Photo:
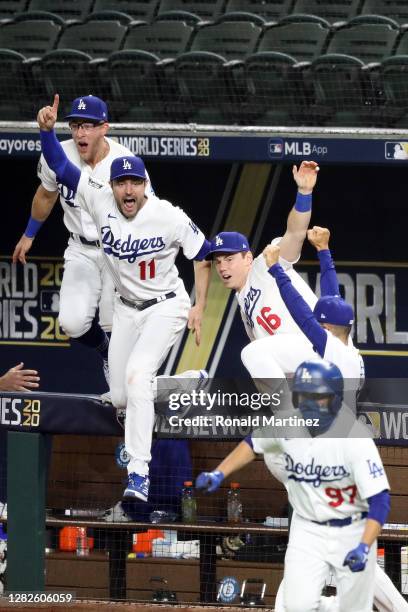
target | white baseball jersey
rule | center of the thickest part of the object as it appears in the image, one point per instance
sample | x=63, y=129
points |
x=140, y=252
x=263, y=311
x=76, y=219
x=327, y=477
x=347, y=358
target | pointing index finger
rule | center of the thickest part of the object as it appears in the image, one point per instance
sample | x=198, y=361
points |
x=55, y=103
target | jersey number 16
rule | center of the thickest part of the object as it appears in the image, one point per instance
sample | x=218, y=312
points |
x=269, y=321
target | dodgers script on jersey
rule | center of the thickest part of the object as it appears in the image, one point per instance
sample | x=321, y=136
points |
x=327, y=477
x=140, y=252
x=77, y=220
x=263, y=311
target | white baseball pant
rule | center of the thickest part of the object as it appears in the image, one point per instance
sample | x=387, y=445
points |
x=386, y=596
x=139, y=344
x=312, y=550
x=86, y=285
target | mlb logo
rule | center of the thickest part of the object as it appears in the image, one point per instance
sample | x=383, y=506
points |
x=396, y=150
x=81, y=105
x=275, y=147
x=218, y=241
x=127, y=165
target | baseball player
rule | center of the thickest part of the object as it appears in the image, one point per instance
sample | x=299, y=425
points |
x=269, y=325
x=86, y=284
x=338, y=490
x=328, y=325
x=140, y=237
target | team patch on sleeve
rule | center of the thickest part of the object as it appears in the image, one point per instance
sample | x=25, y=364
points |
x=194, y=227
x=374, y=469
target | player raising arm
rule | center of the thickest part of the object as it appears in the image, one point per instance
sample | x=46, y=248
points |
x=337, y=488
x=276, y=342
x=140, y=236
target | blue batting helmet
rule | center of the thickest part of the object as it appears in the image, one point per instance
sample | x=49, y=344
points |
x=313, y=378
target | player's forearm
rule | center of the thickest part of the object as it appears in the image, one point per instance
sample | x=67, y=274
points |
x=296, y=228
x=202, y=275
x=57, y=160
x=43, y=203
x=371, y=531
x=329, y=284
x=237, y=459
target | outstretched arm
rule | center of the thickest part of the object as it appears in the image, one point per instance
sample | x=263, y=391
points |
x=319, y=238
x=54, y=154
x=298, y=308
x=299, y=217
x=237, y=459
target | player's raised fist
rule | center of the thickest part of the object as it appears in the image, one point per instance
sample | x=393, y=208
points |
x=305, y=176
x=319, y=237
x=271, y=254
x=47, y=115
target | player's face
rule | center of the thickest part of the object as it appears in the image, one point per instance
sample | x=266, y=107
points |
x=89, y=139
x=233, y=268
x=129, y=192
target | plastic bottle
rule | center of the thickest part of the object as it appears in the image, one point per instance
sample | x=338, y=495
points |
x=234, y=504
x=188, y=503
x=82, y=547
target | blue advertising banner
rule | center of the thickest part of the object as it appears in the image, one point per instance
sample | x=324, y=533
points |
x=235, y=148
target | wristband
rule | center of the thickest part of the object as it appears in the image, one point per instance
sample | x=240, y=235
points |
x=32, y=227
x=303, y=202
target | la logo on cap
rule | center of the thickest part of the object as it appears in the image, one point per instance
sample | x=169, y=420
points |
x=306, y=376
x=127, y=165
x=218, y=241
x=81, y=105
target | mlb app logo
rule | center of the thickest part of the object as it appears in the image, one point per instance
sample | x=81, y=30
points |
x=275, y=146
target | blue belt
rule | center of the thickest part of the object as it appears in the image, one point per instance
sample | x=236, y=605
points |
x=343, y=522
x=148, y=303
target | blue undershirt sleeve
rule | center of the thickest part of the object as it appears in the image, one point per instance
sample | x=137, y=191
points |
x=379, y=506
x=67, y=173
x=299, y=309
x=203, y=252
x=329, y=285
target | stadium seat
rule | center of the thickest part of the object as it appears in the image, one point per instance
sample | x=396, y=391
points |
x=163, y=38
x=271, y=89
x=211, y=85
x=207, y=10
x=393, y=75
x=186, y=16
x=69, y=10
x=136, y=89
x=39, y=15
x=232, y=40
x=272, y=10
x=395, y=9
x=13, y=93
x=303, y=40
x=332, y=10
x=65, y=71
x=369, y=38
x=96, y=38
x=32, y=38
x=242, y=16
x=341, y=97
x=122, y=18
x=144, y=10
x=8, y=8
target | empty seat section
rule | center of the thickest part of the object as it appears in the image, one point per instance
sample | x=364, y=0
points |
x=144, y=10
x=97, y=38
x=332, y=10
x=67, y=9
x=208, y=10
x=31, y=38
x=272, y=10
x=395, y=9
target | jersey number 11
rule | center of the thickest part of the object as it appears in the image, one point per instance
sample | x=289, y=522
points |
x=150, y=268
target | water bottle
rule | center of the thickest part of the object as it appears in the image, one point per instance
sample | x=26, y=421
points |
x=82, y=546
x=188, y=503
x=234, y=504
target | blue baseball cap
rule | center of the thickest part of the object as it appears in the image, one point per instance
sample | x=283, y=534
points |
x=229, y=242
x=333, y=309
x=89, y=107
x=127, y=166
